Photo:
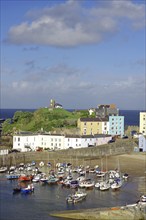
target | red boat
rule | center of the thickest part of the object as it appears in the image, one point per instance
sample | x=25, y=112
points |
x=25, y=178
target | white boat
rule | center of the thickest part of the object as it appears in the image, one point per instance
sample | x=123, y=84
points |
x=100, y=174
x=117, y=184
x=3, y=169
x=36, y=178
x=76, y=197
x=142, y=201
x=41, y=164
x=125, y=176
x=87, y=183
x=104, y=186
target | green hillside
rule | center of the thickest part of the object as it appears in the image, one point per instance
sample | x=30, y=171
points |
x=43, y=118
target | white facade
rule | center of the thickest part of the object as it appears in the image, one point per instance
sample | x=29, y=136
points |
x=142, y=123
x=142, y=142
x=72, y=142
x=100, y=139
x=4, y=152
x=57, y=142
x=105, y=127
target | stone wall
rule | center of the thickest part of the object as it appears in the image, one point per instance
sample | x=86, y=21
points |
x=70, y=155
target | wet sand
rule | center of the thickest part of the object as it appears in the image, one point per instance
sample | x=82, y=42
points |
x=134, y=164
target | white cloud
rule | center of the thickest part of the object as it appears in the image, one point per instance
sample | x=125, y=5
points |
x=71, y=24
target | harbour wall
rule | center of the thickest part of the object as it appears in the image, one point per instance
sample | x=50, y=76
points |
x=73, y=156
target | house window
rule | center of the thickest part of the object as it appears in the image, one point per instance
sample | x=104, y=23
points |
x=91, y=123
x=51, y=144
x=18, y=139
x=51, y=139
x=84, y=123
x=59, y=139
x=76, y=140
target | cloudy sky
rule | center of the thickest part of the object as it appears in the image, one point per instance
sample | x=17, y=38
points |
x=81, y=53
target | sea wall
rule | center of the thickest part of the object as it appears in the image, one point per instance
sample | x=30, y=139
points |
x=73, y=156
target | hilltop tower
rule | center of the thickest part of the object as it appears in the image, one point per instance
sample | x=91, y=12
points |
x=52, y=104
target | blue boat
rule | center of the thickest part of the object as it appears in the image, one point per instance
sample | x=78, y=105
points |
x=28, y=189
x=12, y=176
x=74, y=184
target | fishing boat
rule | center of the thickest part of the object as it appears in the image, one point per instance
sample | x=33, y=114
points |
x=76, y=197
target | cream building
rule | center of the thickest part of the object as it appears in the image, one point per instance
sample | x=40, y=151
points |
x=142, y=123
x=92, y=126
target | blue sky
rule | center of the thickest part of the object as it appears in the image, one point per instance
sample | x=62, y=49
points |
x=80, y=53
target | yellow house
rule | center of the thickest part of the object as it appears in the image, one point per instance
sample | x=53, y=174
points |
x=142, y=123
x=91, y=126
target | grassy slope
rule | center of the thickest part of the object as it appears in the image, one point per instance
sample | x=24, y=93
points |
x=42, y=118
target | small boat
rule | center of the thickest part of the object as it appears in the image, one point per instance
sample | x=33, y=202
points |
x=104, y=186
x=87, y=183
x=125, y=176
x=41, y=164
x=24, y=177
x=52, y=180
x=76, y=197
x=3, y=169
x=36, y=178
x=12, y=176
x=28, y=189
x=74, y=184
x=16, y=190
x=100, y=174
x=142, y=200
x=117, y=184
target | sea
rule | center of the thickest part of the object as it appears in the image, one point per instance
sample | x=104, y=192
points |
x=48, y=199
x=131, y=117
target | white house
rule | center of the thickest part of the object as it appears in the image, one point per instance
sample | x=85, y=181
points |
x=91, y=111
x=142, y=143
x=27, y=142
x=105, y=127
x=102, y=139
x=72, y=141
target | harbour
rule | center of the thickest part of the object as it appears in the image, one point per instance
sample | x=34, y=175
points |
x=50, y=199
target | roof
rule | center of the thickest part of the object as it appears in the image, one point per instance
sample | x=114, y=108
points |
x=93, y=119
x=57, y=104
x=102, y=135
